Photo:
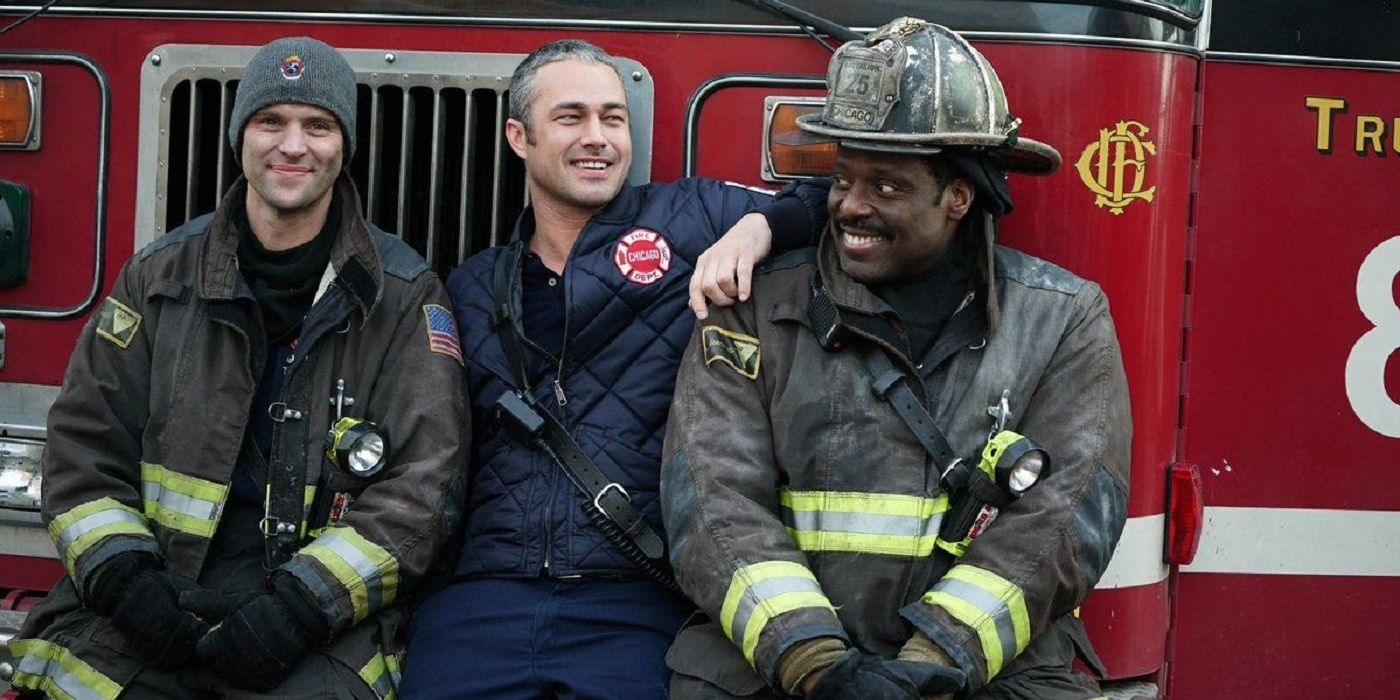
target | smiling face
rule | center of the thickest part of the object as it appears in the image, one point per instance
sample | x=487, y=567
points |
x=292, y=154
x=890, y=217
x=577, y=147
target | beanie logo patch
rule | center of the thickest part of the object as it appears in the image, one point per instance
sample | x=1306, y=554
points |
x=292, y=67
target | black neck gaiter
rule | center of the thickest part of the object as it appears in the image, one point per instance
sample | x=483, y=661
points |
x=285, y=281
x=926, y=302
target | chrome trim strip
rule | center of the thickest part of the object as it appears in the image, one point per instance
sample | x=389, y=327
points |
x=99, y=257
x=731, y=80
x=1233, y=57
x=533, y=22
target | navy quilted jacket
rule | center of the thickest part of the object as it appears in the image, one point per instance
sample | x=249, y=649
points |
x=626, y=329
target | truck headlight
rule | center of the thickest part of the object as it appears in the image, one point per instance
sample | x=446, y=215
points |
x=20, y=474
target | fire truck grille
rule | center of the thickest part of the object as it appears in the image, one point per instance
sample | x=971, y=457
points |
x=430, y=162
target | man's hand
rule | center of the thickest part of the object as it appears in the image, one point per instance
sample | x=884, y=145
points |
x=860, y=676
x=140, y=596
x=724, y=273
x=258, y=644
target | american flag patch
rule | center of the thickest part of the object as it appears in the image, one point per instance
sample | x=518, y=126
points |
x=442, y=332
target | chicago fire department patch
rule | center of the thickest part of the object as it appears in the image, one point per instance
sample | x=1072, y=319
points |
x=292, y=67
x=643, y=256
x=117, y=322
x=737, y=350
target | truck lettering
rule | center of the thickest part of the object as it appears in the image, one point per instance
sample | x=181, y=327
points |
x=1370, y=128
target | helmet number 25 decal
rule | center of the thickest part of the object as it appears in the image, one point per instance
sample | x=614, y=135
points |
x=1365, y=373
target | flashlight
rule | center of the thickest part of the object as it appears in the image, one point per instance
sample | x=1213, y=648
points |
x=1015, y=461
x=1011, y=464
x=357, y=446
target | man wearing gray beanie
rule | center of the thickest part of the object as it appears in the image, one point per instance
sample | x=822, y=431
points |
x=256, y=451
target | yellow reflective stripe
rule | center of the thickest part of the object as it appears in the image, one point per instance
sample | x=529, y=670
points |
x=892, y=545
x=381, y=675
x=51, y=669
x=857, y=502
x=973, y=617
x=180, y=501
x=367, y=571
x=78, y=529
x=992, y=606
x=760, y=592
x=872, y=523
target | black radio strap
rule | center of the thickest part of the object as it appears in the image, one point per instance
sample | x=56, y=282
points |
x=834, y=328
x=607, y=503
x=892, y=384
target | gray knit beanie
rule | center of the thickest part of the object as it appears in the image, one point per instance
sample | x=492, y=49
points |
x=300, y=70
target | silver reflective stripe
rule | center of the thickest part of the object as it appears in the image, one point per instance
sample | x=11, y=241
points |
x=313, y=582
x=177, y=502
x=763, y=590
x=993, y=606
x=868, y=523
x=101, y=518
x=58, y=676
x=368, y=572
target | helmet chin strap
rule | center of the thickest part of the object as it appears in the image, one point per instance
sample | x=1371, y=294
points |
x=989, y=236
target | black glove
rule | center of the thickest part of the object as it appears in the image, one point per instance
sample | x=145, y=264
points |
x=258, y=644
x=141, y=597
x=860, y=675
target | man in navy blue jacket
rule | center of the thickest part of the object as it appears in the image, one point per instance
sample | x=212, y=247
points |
x=579, y=327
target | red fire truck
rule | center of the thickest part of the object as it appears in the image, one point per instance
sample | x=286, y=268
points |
x=1231, y=178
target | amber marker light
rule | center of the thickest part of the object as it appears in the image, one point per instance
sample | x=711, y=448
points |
x=19, y=110
x=789, y=152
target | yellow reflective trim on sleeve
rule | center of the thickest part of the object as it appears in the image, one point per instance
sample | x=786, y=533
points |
x=1008, y=592
x=973, y=617
x=180, y=501
x=992, y=606
x=760, y=592
x=51, y=669
x=78, y=529
x=367, y=571
x=381, y=675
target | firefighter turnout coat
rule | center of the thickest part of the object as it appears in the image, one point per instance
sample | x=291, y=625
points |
x=144, y=438
x=799, y=505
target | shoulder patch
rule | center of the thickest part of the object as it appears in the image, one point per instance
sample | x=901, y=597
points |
x=397, y=257
x=117, y=322
x=741, y=352
x=442, y=332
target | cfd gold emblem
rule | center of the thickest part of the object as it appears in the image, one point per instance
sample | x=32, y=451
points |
x=1114, y=166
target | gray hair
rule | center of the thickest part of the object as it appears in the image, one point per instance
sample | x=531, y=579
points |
x=522, y=82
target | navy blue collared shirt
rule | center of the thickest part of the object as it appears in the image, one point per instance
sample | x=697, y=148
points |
x=542, y=313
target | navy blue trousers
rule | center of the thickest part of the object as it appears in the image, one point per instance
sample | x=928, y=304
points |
x=542, y=638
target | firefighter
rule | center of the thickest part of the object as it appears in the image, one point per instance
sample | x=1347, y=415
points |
x=817, y=428
x=575, y=331
x=256, y=450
